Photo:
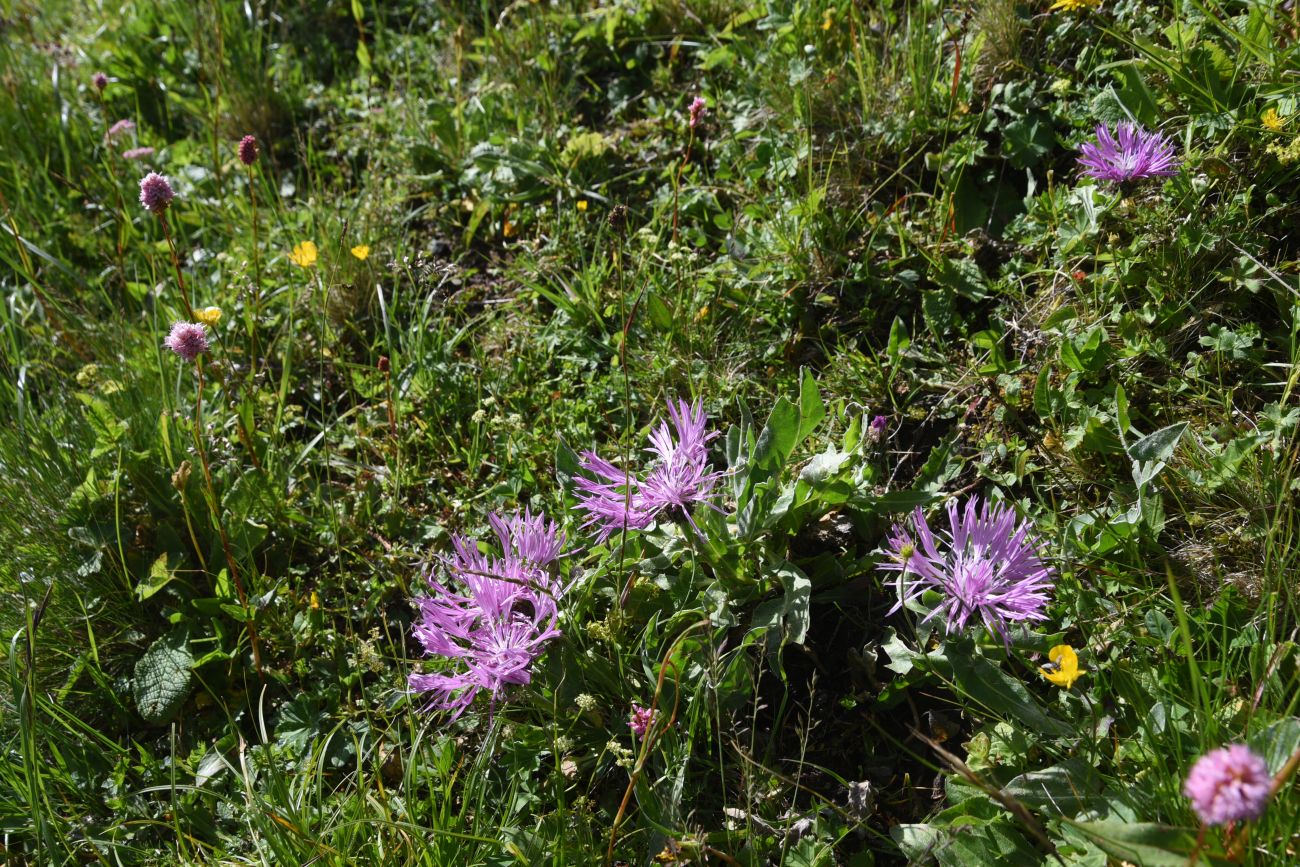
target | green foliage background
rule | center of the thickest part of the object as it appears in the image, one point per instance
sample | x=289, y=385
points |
x=880, y=214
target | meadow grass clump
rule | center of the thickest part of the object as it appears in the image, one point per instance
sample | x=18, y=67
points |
x=884, y=418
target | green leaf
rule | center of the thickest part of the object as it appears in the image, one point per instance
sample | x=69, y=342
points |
x=1062, y=789
x=162, y=678
x=1121, y=409
x=811, y=408
x=993, y=688
x=1148, y=845
x=779, y=437
x=1158, y=446
x=159, y=577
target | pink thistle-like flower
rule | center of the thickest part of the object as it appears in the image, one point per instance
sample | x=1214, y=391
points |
x=119, y=129
x=1130, y=155
x=137, y=153
x=189, y=340
x=1231, y=784
x=987, y=566
x=498, y=618
x=248, y=150
x=697, y=108
x=100, y=80
x=155, y=193
x=641, y=719
x=680, y=477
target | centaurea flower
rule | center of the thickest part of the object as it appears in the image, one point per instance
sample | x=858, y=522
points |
x=1229, y=785
x=987, y=566
x=1130, y=155
x=496, y=615
x=680, y=477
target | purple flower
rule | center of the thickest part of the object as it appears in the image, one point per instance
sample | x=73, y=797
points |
x=680, y=477
x=137, y=153
x=248, y=150
x=189, y=340
x=1130, y=155
x=987, y=566
x=100, y=80
x=697, y=108
x=498, y=618
x=1229, y=785
x=155, y=193
x=641, y=720
x=117, y=130
x=877, y=428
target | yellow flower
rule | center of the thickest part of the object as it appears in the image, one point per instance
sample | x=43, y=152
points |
x=1062, y=668
x=826, y=22
x=508, y=229
x=304, y=254
x=1272, y=121
x=315, y=601
x=1074, y=5
x=582, y=204
x=208, y=315
x=361, y=251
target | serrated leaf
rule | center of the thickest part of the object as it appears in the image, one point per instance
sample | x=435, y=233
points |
x=162, y=678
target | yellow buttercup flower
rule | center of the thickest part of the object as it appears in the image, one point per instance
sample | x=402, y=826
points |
x=582, y=204
x=304, y=254
x=1062, y=668
x=361, y=251
x=208, y=315
x=1272, y=121
x=1074, y=5
x=827, y=23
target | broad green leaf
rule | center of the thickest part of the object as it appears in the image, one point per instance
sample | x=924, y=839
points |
x=997, y=691
x=159, y=577
x=1062, y=789
x=811, y=408
x=779, y=437
x=1148, y=845
x=1158, y=446
x=162, y=678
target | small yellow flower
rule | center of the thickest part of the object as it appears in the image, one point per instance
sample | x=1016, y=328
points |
x=827, y=23
x=315, y=601
x=208, y=315
x=1063, y=666
x=582, y=204
x=508, y=228
x=361, y=251
x=304, y=254
x=1074, y=5
x=1272, y=121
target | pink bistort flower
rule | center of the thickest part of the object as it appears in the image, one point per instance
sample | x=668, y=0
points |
x=697, y=109
x=987, y=566
x=119, y=129
x=1130, y=155
x=155, y=193
x=1229, y=785
x=248, y=150
x=137, y=153
x=189, y=340
x=680, y=477
x=491, y=615
x=641, y=719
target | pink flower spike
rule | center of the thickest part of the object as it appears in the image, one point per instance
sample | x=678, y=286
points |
x=248, y=150
x=119, y=129
x=189, y=340
x=155, y=193
x=1231, y=784
x=100, y=80
x=137, y=153
x=697, y=108
x=641, y=720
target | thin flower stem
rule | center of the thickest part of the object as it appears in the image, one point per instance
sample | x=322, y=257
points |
x=213, y=506
x=257, y=266
x=180, y=278
x=677, y=181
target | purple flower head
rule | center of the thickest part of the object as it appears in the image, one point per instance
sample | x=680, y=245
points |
x=1229, y=785
x=137, y=153
x=697, y=109
x=490, y=615
x=189, y=340
x=1130, y=155
x=987, y=566
x=100, y=80
x=877, y=429
x=248, y=150
x=641, y=720
x=119, y=129
x=679, y=477
x=155, y=193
